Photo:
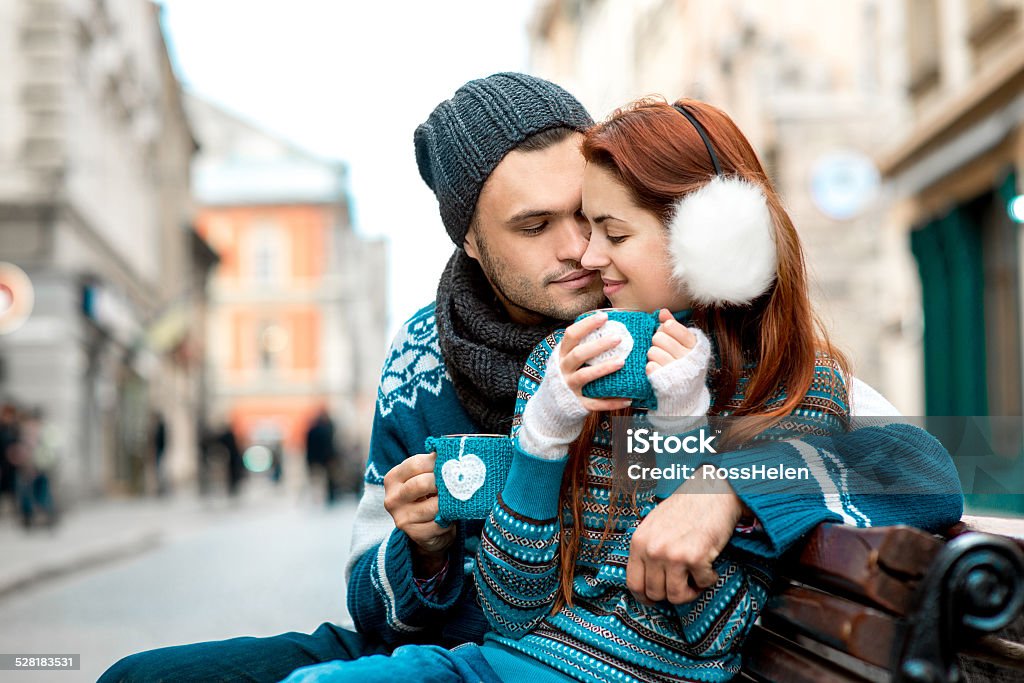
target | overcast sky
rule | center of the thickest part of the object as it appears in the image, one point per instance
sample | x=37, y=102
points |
x=352, y=80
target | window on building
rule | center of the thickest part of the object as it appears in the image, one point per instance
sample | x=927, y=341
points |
x=272, y=340
x=268, y=253
x=923, y=44
x=869, y=75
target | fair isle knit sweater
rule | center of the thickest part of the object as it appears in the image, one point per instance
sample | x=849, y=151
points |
x=607, y=635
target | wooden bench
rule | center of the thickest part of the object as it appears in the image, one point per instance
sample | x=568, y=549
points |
x=896, y=604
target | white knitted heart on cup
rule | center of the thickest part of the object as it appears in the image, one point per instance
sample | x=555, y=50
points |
x=464, y=476
x=611, y=328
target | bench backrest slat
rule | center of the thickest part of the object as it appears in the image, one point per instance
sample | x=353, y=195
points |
x=772, y=658
x=880, y=565
x=858, y=630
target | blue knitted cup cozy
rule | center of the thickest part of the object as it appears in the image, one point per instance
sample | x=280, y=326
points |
x=636, y=328
x=470, y=472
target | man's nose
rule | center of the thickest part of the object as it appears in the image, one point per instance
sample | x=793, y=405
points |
x=573, y=242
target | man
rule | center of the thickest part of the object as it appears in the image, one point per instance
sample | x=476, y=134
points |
x=322, y=455
x=8, y=437
x=515, y=278
x=159, y=440
x=502, y=158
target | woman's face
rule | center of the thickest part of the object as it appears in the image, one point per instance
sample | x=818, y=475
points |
x=628, y=246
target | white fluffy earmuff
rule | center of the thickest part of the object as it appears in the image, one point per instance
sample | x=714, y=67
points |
x=722, y=244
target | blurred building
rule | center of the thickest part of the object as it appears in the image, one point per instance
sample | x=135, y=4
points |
x=95, y=208
x=816, y=89
x=953, y=179
x=298, y=303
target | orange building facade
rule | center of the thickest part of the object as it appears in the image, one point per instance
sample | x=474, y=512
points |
x=289, y=332
x=268, y=323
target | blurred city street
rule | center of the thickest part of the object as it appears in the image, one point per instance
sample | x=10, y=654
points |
x=129, y=576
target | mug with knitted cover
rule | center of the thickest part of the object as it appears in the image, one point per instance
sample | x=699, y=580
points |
x=470, y=471
x=635, y=330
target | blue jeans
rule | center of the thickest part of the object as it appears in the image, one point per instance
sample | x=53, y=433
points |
x=34, y=496
x=242, y=659
x=419, y=663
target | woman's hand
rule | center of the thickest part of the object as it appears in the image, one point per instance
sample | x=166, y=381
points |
x=672, y=341
x=575, y=353
x=554, y=416
x=677, y=366
x=671, y=552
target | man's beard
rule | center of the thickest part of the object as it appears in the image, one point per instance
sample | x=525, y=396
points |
x=530, y=297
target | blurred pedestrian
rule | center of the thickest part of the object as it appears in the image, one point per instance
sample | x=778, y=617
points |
x=322, y=454
x=47, y=454
x=236, y=468
x=35, y=456
x=276, y=462
x=8, y=437
x=159, y=440
x=204, y=451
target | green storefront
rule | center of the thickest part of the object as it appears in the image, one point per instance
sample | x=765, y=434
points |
x=969, y=264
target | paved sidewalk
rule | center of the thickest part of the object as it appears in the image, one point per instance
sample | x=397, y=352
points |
x=105, y=530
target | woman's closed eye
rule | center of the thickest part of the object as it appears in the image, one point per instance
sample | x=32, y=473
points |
x=617, y=239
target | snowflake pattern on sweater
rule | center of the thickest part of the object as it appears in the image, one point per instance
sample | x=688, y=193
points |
x=413, y=364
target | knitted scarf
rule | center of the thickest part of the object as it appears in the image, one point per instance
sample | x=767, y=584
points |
x=483, y=349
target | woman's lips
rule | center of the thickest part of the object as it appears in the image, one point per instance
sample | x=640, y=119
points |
x=577, y=279
x=613, y=286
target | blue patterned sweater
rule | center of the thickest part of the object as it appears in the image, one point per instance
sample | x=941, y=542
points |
x=416, y=399
x=607, y=635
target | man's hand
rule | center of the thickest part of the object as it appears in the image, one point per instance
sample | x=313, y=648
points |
x=410, y=497
x=671, y=552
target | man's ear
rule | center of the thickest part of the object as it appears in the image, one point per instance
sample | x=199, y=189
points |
x=470, y=246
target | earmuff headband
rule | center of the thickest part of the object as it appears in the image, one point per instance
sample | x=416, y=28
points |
x=721, y=237
x=703, y=136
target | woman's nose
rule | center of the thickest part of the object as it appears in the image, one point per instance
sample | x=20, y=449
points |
x=594, y=257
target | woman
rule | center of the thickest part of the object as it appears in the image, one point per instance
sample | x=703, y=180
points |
x=683, y=219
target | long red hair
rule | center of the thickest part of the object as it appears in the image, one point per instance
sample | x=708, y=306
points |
x=658, y=155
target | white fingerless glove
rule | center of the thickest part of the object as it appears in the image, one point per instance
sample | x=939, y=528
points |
x=681, y=386
x=553, y=416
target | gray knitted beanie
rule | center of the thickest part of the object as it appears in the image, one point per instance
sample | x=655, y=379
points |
x=464, y=138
